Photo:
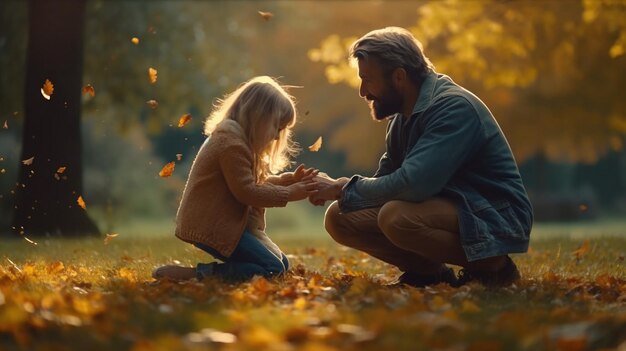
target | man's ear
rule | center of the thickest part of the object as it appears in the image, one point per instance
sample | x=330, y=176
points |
x=399, y=77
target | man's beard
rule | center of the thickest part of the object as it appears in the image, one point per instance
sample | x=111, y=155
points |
x=386, y=105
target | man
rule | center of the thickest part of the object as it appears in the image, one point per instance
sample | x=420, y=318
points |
x=447, y=189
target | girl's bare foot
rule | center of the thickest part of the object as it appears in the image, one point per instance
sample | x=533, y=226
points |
x=177, y=273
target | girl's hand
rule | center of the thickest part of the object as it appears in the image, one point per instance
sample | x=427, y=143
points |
x=301, y=190
x=303, y=174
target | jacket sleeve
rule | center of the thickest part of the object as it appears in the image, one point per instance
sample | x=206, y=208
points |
x=453, y=132
x=236, y=163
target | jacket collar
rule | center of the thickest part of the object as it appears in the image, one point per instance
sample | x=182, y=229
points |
x=427, y=91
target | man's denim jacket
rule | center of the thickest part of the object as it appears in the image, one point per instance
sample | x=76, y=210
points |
x=451, y=146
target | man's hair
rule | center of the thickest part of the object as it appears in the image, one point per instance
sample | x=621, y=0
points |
x=393, y=47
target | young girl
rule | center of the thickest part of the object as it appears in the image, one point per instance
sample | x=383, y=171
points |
x=222, y=210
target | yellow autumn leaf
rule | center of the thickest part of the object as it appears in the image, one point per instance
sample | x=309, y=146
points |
x=109, y=237
x=184, y=119
x=316, y=145
x=152, y=74
x=61, y=169
x=47, y=89
x=167, y=170
x=127, y=274
x=152, y=104
x=266, y=15
x=81, y=202
x=582, y=250
x=469, y=307
x=88, y=89
x=55, y=267
x=29, y=161
x=135, y=40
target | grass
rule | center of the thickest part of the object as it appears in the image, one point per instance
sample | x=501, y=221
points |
x=80, y=294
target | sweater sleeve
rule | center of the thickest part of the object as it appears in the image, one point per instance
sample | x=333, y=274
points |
x=236, y=163
x=281, y=179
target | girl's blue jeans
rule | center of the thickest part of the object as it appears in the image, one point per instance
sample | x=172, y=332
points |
x=250, y=258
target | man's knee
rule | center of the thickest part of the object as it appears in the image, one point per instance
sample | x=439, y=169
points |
x=334, y=222
x=394, y=223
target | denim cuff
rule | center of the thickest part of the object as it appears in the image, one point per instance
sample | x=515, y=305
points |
x=204, y=270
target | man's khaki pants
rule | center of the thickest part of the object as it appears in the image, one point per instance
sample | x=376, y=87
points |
x=417, y=237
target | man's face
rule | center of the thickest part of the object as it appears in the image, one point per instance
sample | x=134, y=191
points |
x=384, y=100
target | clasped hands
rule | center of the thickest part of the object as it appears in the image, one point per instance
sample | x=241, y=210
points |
x=319, y=186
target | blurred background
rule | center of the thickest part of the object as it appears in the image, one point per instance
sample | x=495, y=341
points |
x=552, y=72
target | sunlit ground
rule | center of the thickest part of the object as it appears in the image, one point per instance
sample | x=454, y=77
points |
x=87, y=295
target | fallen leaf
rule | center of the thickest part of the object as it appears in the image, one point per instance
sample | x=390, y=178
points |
x=179, y=157
x=61, y=170
x=88, y=89
x=582, y=250
x=47, y=89
x=184, y=119
x=167, y=170
x=152, y=73
x=316, y=145
x=81, y=202
x=135, y=40
x=29, y=161
x=266, y=15
x=152, y=103
x=55, y=267
x=6, y=125
x=109, y=237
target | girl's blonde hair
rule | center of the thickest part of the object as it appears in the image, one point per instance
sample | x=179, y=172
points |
x=261, y=106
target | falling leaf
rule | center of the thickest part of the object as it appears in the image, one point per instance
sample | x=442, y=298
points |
x=152, y=73
x=47, y=89
x=179, y=157
x=167, y=170
x=266, y=15
x=582, y=250
x=316, y=145
x=88, y=89
x=29, y=161
x=184, y=119
x=6, y=125
x=135, y=40
x=61, y=170
x=81, y=202
x=109, y=237
x=152, y=103
x=29, y=241
x=583, y=207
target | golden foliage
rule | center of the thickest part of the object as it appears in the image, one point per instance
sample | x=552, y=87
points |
x=530, y=61
x=326, y=301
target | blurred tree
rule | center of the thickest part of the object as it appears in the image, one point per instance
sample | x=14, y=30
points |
x=46, y=199
x=552, y=68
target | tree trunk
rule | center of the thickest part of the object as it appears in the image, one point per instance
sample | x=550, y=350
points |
x=46, y=200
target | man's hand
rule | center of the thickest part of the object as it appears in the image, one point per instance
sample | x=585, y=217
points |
x=327, y=189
